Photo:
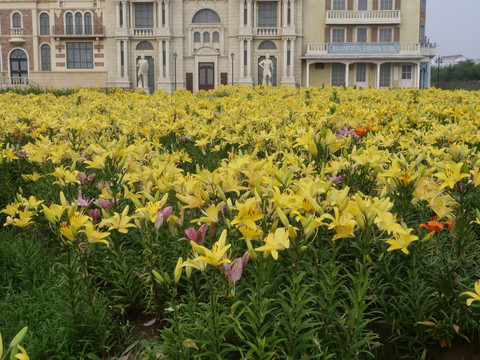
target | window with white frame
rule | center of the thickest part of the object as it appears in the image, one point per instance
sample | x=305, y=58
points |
x=69, y=23
x=79, y=55
x=44, y=24
x=386, y=4
x=385, y=75
x=338, y=74
x=144, y=15
x=361, y=72
x=362, y=5
x=78, y=23
x=385, y=35
x=338, y=35
x=361, y=34
x=267, y=14
x=338, y=4
x=45, y=57
x=406, y=72
x=88, y=23
x=17, y=20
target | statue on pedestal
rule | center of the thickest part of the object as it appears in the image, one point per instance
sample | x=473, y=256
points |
x=267, y=66
x=142, y=73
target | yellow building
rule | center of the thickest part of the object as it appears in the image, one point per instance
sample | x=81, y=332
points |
x=366, y=43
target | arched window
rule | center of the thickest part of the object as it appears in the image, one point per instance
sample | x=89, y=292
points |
x=69, y=23
x=78, y=23
x=144, y=45
x=216, y=37
x=44, y=24
x=206, y=37
x=18, y=63
x=196, y=37
x=206, y=16
x=267, y=45
x=45, y=56
x=87, y=18
x=17, y=21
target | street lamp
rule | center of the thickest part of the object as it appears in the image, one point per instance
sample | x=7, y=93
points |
x=232, y=55
x=439, y=62
x=175, y=70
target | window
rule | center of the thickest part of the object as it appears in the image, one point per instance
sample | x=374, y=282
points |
x=216, y=37
x=79, y=55
x=362, y=5
x=338, y=74
x=69, y=23
x=245, y=17
x=16, y=21
x=386, y=4
x=361, y=34
x=88, y=23
x=385, y=35
x=361, y=72
x=206, y=16
x=423, y=5
x=206, y=37
x=144, y=45
x=267, y=45
x=44, y=24
x=267, y=14
x=338, y=35
x=196, y=37
x=78, y=23
x=144, y=15
x=385, y=70
x=338, y=4
x=45, y=56
x=422, y=32
x=406, y=72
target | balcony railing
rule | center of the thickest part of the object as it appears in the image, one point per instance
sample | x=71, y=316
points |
x=363, y=17
x=12, y=82
x=16, y=31
x=141, y=32
x=16, y=36
x=267, y=31
x=335, y=50
x=78, y=31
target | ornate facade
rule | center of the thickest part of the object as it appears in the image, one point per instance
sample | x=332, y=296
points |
x=202, y=44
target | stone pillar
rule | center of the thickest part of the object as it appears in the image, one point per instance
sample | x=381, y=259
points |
x=167, y=59
x=377, y=77
x=125, y=59
x=285, y=13
x=132, y=23
x=292, y=57
x=124, y=15
x=241, y=58
x=242, y=12
x=285, y=55
x=167, y=14
x=117, y=9
x=160, y=54
x=417, y=75
x=249, y=58
x=159, y=13
x=249, y=13
x=119, y=58
x=292, y=13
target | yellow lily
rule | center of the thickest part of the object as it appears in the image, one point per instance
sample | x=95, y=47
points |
x=215, y=256
x=451, y=175
x=274, y=242
x=475, y=296
x=401, y=241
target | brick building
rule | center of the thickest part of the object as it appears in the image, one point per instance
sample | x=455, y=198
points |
x=201, y=44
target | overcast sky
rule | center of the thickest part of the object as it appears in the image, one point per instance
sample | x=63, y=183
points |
x=454, y=25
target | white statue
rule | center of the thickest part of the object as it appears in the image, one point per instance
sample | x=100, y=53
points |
x=142, y=73
x=267, y=66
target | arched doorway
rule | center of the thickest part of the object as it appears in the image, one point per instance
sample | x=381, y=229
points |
x=18, y=64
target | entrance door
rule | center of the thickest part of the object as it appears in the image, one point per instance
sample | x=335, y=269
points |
x=206, y=76
x=406, y=77
x=18, y=66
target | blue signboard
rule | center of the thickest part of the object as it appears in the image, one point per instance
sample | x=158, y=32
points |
x=363, y=48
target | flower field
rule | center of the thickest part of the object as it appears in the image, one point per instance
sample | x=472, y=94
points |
x=241, y=223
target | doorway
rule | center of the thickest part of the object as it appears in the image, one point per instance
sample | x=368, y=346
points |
x=206, y=76
x=18, y=64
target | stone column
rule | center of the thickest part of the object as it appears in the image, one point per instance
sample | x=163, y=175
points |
x=124, y=15
x=417, y=77
x=249, y=13
x=167, y=59
x=119, y=58
x=292, y=13
x=241, y=58
x=347, y=72
x=160, y=54
x=377, y=77
x=125, y=59
x=167, y=14
x=249, y=58
x=285, y=13
x=292, y=57
x=242, y=12
x=307, y=80
x=285, y=55
x=117, y=10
